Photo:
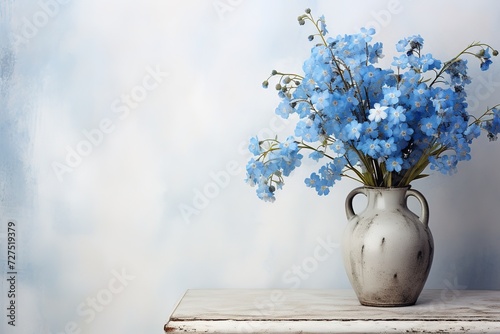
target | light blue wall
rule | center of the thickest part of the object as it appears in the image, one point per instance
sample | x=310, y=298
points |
x=158, y=100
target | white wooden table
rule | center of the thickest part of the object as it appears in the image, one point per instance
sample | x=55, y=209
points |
x=332, y=311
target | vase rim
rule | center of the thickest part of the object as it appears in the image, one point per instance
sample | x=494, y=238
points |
x=388, y=188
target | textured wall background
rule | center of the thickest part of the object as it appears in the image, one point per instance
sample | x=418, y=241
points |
x=124, y=127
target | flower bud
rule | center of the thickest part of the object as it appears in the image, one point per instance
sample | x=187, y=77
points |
x=286, y=80
x=265, y=84
x=310, y=37
x=495, y=52
x=274, y=72
x=278, y=86
x=308, y=10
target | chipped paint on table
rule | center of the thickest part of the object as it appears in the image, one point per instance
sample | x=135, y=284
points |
x=332, y=311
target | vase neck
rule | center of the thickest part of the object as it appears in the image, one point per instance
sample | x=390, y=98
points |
x=386, y=198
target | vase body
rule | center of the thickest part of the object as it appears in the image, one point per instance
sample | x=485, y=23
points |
x=387, y=249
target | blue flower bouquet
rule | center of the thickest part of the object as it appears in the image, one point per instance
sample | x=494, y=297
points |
x=380, y=126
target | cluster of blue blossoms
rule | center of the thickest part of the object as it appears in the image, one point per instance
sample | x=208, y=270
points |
x=382, y=127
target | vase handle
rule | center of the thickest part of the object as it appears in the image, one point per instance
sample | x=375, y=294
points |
x=424, y=216
x=349, y=210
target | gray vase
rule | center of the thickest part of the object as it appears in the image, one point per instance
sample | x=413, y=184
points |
x=387, y=249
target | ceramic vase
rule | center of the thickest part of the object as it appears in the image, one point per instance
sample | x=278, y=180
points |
x=387, y=249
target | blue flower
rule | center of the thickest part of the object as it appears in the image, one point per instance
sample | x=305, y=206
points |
x=254, y=169
x=322, y=21
x=321, y=54
x=401, y=45
x=391, y=94
x=472, y=132
x=316, y=155
x=393, y=164
x=457, y=124
x=491, y=126
x=386, y=130
x=428, y=63
x=485, y=65
x=313, y=180
x=300, y=93
x=322, y=73
x=375, y=52
x=369, y=74
x=370, y=129
x=397, y=115
x=458, y=72
x=462, y=150
x=388, y=146
x=319, y=183
x=284, y=109
x=303, y=109
x=409, y=80
x=349, y=98
x=415, y=42
x=401, y=61
x=307, y=130
x=266, y=192
x=289, y=146
x=486, y=53
x=336, y=106
x=353, y=130
x=402, y=131
x=485, y=59
x=371, y=147
x=254, y=146
x=322, y=187
x=321, y=100
x=430, y=124
x=366, y=34
x=338, y=147
x=326, y=176
x=446, y=164
x=290, y=162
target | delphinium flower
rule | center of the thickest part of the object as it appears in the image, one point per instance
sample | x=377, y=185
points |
x=380, y=126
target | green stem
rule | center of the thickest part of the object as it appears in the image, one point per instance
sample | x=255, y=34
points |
x=486, y=113
x=457, y=58
x=335, y=60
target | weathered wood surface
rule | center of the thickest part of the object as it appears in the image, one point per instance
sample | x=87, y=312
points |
x=332, y=311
